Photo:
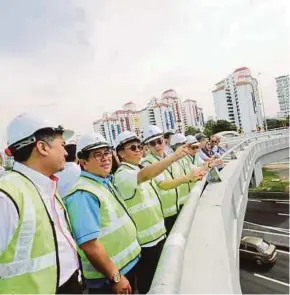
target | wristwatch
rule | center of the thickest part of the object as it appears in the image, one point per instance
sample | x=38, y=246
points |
x=115, y=278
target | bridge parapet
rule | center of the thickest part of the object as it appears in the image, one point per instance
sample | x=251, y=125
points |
x=201, y=255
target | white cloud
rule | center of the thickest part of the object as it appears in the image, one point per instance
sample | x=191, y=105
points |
x=77, y=59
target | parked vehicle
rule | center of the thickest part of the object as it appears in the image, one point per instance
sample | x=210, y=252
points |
x=257, y=250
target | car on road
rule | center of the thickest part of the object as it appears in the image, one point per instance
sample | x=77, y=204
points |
x=257, y=250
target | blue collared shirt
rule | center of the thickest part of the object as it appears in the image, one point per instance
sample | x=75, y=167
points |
x=84, y=212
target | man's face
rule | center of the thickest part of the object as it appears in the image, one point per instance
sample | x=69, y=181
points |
x=132, y=152
x=193, y=149
x=203, y=142
x=214, y=141
x=156, y=146
x=53, y=154
x=99, y=162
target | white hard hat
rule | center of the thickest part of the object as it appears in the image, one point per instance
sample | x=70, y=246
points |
x=192, y=140
x=20, y=131
x=71, y=141
x=177, y=138
x=151, y=132
x=124, y=137
x=91, y=141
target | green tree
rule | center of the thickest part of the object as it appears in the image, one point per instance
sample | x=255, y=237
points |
x=274, y=123
x=190, y=130
x=223, y=125
x=208, y=127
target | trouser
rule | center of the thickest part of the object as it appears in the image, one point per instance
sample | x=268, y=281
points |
x=147, y=266
x=169, y=222
x=107, y=289
x=71, y=286
x=180, y=208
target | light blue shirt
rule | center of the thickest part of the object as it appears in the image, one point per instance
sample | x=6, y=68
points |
x=202, y=155
x=84, y=212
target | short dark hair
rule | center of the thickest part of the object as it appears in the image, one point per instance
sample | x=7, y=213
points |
x=71, y=151
x=167, y=134
x=84, y=155
x=46, y=134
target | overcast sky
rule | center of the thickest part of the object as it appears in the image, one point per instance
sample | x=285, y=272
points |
x=75, y=59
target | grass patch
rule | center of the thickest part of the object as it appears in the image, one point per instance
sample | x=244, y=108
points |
x=271, y=182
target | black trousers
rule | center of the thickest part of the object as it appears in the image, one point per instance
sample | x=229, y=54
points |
x=71, y=286
x=169, y=222
x=107, y=289
x=147, y=266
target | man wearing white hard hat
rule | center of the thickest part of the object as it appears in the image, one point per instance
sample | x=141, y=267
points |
x=194, y=147
x=136, y=187
x=38, y=253
x=103, y=230
x=168, y=181
x=69, y=176
x=167, y=136
x=187, y=168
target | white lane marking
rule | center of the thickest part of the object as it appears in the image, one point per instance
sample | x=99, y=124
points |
x=287, y=203
x=257, y=201
x=270, y=200
x=286, y=230
x=283, y=214
x=266, y=232
x=270, y=279
x=284, y=252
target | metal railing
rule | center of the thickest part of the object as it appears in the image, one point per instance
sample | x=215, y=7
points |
x=168, y=276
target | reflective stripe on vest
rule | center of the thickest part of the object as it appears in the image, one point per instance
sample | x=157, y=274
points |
x=17, y=268
x=115, y=225
x=170, y=211
x=183, y=199
x=23, y=263
x=116, y=258
x=29, y=263
x=117, y=231
x=144, y=206
x=139, y=207
x=152, y=230
x=168, y=198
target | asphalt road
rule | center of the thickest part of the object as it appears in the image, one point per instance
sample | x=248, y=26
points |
x=271, y=213
x=267, y=280
x=261, y=280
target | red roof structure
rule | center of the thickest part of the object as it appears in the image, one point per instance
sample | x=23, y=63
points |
x=241, y=69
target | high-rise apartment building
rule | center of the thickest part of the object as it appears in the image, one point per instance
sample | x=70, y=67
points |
x=170, y=98
x=168, y=113
x=236, y=99
x=282, y=89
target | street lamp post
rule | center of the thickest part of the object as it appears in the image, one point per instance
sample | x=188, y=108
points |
x=262, y=101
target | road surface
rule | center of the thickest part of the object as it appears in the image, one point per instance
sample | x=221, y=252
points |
x=273, y=215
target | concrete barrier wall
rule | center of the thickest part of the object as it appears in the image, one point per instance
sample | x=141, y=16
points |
x=211, y=263
x=201, y=254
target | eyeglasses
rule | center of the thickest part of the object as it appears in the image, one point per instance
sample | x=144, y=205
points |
x=100, y=156
x=134, y=147
x=155, y=142
x=194, y=147
x=214, y=141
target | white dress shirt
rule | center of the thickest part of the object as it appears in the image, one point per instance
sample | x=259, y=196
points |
x=9, y=220
x=68, y=178
x=2, y=171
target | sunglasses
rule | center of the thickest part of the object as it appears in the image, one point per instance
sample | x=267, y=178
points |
x=214, y=141
x=155, y=142
x=135, y=147
x=194, y=147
